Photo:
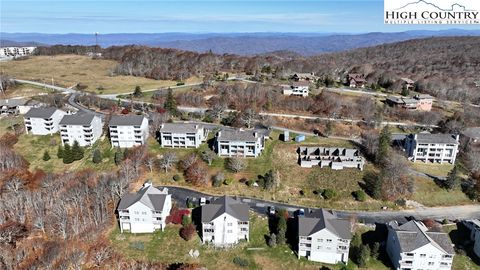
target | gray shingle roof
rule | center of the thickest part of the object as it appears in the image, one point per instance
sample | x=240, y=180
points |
x=13, y=102
x=238, y=135
x=150, y=196
x=40, y=112
x=413, y=235
x=436, y=138
x=323, y=219
x=223, y=205
x=80, y=118
x=180, y=128
x=126, y=120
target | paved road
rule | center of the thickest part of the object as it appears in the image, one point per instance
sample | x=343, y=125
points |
x=181, y=195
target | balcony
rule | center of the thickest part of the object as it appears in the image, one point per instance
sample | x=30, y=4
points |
x=88, y=130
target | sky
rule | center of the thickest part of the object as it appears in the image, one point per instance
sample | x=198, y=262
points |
x=196, y=16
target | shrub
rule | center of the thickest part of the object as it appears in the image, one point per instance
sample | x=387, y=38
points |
x=176, y=215
x=97, y=156
x=240, y=262
x=250, y=183
x=228, y=181
x=329, y=194
x=46, y=156
x=360, y=195
x=272, y=240
x=177, y=177
x=218, y=179
x=60, y=152
x=186, y=220
x=187, y=232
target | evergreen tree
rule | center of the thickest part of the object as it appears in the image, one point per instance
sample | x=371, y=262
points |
x=170, y=103
x=329, y=128
x=453, y=180
x=281, y=227
x=405, y=91
x=137, y=92
x=268, y=180
x=118, y=156
x=97, y=156
x=60, y=152
x=77, y=151
x=383, y=146
x=46, y=156
x=67, y=154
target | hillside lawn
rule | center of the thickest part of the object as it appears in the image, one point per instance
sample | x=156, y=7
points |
x=24, y=90
x=69, y=70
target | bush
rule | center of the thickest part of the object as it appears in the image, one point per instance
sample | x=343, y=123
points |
x=218, y=179
x=46, y=156
x=187, y=232
x=177, y=177
x=235, y=164
x=240, y=262
x=360, y=195
x=186, y=220
x=329, y=194
x=176, y=215
x=272, y=240
x=97, y=156
x=228, y=181
x=250, y=183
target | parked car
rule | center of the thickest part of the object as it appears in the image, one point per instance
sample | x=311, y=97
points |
x=301, y=212
x=271, y=210
x=203, y=201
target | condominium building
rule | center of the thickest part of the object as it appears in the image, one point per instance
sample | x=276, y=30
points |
x=225, y=222
x=128, y=130
x=85, y=128
x=299, y=89
x=335, y=158
x=412, y=246
x=239, y=143
x=434, y=148
x=43, y=121
x=144, y=211
x=323, y=237
x=182, y=135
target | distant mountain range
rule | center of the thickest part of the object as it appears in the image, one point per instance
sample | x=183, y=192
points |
x=235, y=43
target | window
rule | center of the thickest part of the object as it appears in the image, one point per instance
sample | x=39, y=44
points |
x=423, y=255
x=329, y=240
x=137, y=219
x=229, y=231
x=144, y=213
x=229, y=224
x=136, y=212
x=431, y=263
x=320, y=240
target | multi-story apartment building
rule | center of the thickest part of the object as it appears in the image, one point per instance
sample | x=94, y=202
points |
x=299, y=89
x=335, y=158
x=85, y=128
x=435, y=148
x=182, y=135
x=43, y=121
x=323, y=237
x=412, y=246
x=145, y=211
x=16, y=51
x=128, y=130
x=474, y=226
x=225, y=222
x=239, y=143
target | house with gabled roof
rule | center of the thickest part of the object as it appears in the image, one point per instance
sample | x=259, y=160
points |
x=225, y=221
x=144, y=211
x=128, y=130
x=413, y=246
x=323, y=237
x=356, y=80
x=43, y=120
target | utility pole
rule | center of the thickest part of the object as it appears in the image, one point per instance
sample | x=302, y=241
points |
x=96, y=43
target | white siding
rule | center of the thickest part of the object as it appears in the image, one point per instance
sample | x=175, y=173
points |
x=324, y=246
x=84, y=135
x=224, y=230
x=41, y=126
x=129, y=136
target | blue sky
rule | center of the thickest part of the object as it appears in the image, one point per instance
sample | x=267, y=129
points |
x=196, y=16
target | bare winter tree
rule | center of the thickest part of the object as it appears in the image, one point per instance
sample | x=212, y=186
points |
x=150, y=162
x=396, y=183
x=236, y=164
x=189, y=161
x=168, y=160
x=208, y=156
x=248, y=116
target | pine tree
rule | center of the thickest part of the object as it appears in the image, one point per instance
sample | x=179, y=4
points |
x=60, y=152
x=46, y=156
x=77, y=151
x=170, y=103
x=97, y=156
x=453, y=180
x=118, y=156
x=383, y=146
x=405, y=91
x=67, y=154
x=137, y=92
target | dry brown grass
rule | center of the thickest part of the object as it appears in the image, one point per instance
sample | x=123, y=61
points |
x=68, y=70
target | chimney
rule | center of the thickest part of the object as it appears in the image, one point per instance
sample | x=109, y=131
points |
x=147, y=184
x=457, y=137
x=219, y=133
x=196, y=126
x=255, y=134
x=162, y=126
x=415, y=137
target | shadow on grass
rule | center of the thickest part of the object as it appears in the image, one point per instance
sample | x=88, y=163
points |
x=379, y=235
x=463, y=245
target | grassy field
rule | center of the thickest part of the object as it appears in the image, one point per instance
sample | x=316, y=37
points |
x=23, y=90
x=68, y=70
x=169, y=247
x=430, y=194
x=6, y=123
x=441, y=170
x=297, y=184
x=32, y=148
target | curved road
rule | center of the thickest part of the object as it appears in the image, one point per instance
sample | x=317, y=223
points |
x=181, y=195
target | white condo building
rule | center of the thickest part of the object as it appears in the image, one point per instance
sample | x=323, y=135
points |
x=239, y=143
x=144, y=211
x=16, y=51
x=182, y=135
x=412, y=246
x=128, y=130
x=85, y=128
x=43, y=121
x=225, y=222
x=299, y=89
x=323, y=237
x=434, y=148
